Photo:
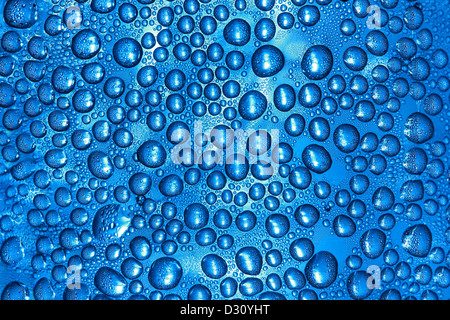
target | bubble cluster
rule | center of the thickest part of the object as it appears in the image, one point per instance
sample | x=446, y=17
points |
x=257, y=149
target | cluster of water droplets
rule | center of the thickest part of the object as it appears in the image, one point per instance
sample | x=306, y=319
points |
x=96, y=95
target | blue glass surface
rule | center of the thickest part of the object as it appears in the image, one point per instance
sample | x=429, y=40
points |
x=206, y=149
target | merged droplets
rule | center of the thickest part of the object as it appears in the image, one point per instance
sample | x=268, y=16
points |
x=20, y=14
x=249, y=260
x=110, y=282
x=417, y=240
x=100, y=165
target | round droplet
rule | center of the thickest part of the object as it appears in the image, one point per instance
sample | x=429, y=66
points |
x=86, y=44
x=308, y=15
x=418, y=128
x=63, y=79
x=316, y=158
x=249, y=260
x=277, y=225
x=100, y=165
x=252, y=105
x=344, y=226
x=357, y=285
x=12, y=250
x=165, y=273
x=383, y=199
x=267, y=61
x=415, y=161
x=417, y=240
x=377, y=43
x=151, y=154
x=140, y=183
x=321, y=270
x=309, y=95
x=307, y=215
x=301, y=249
x=127, y=52
x=346, y=138
x=317, y=62
x=140, y=248
x=214, y=266
x=355, y=58
x=237, y=167
x=300, y=178
x=237, y=32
